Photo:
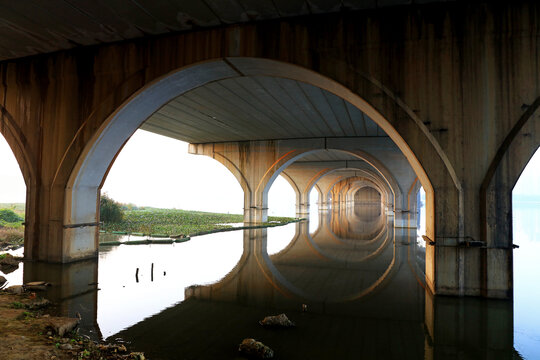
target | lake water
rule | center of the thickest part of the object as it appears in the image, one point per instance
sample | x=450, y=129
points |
x=350, y=296
x=526, y=228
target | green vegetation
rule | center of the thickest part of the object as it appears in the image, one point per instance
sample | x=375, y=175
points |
x=110, y=211
x=11, y=225
x=17, y=305
x=9, y=216
x=174, y=222
x=25, y=315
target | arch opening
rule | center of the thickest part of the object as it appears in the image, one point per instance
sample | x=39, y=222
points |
x=281, y=198
x=367, y=202
x=526, y=234
x=144, y=169
x=12, y=211
x=86, y=178
x=12, y=199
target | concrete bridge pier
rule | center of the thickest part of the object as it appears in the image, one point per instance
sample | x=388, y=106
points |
x=255, y=164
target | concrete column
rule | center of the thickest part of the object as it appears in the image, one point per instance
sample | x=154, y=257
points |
x=256, y=164
x=302, y=208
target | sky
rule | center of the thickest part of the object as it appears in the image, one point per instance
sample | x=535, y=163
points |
x=153, y=170
x=529, y=181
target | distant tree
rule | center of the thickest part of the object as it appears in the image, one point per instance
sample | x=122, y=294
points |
x=9, y=216
x=110, y=211
x=129, y=206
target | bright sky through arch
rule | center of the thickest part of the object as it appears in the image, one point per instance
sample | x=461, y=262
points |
x=12, y=186
x=528, y=180
x=154, y=170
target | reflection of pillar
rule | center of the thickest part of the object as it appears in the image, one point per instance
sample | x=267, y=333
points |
x=74, y=288
x=483, y=327
x=246, y=283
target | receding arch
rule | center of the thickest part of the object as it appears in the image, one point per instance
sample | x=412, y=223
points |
x=81, y=192
x=378, y=173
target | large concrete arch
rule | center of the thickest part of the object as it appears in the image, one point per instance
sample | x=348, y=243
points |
x=427, y=81
x=19, y=144
x=89, y=171
x=515, y=152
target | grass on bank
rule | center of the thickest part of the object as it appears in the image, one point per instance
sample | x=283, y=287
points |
x=172, y=222
x=11, y=225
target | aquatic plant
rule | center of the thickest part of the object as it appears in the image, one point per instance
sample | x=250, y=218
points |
x=176, y=222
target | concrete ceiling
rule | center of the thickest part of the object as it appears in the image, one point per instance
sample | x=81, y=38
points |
x=259, y=108
x=329, y=155
x=29, y=27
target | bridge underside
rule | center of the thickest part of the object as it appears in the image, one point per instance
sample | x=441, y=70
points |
x=443, y=96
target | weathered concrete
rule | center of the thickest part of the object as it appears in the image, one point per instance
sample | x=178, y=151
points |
x=452, y=84
x=304, y=175
x=256, y=164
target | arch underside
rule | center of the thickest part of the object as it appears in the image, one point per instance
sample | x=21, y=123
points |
x=82, y=190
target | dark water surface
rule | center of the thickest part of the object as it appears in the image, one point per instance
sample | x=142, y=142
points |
x=351, y=296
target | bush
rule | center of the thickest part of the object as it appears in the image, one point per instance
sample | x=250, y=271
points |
x=9, y=216
x=109, y=210
x=11, y=236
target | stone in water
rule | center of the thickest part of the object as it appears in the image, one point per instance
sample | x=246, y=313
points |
x=255, y=349
x=280, y=320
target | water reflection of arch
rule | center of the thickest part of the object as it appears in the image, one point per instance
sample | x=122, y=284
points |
x=260, y=278
x=253, y=279
x=334, y=246
x=357, y=266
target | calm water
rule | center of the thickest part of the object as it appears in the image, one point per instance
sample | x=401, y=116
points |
x=364, y=297
x=526, y=227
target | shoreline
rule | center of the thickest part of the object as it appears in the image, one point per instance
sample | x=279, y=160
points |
x=28, y=332
x=169, y=239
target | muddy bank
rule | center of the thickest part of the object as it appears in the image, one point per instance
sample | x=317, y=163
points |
x=29, y=333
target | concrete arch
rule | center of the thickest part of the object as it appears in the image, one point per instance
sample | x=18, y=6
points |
x=16, y=140
x=18, y=143
x=88, y=173
x=354, y=191
x=303, y=180
x=379, y=184
x=354, y=185
x=384, y=173
x=513, y=155
x=79, y=232
x=349, y=211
